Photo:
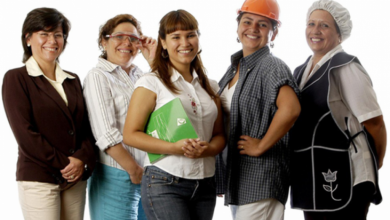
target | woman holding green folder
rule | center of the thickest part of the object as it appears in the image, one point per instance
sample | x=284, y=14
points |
x=184, y=178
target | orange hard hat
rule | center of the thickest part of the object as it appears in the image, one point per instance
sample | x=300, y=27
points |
x=266, y=8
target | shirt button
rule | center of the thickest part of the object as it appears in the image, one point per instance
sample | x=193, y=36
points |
x=70, y=132
x=71, y=151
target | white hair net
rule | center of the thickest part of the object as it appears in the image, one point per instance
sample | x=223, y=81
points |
x=339, y=14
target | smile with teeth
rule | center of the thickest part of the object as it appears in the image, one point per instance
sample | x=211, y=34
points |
x=125, y=51
x=50, y=49
x=315, y=39
x=184, y=51
x=251, y=36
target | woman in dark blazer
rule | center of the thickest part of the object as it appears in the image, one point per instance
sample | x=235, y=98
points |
x=46, y=111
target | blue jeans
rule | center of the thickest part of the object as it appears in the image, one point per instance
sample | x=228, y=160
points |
x=165, y=196
x=112, y=196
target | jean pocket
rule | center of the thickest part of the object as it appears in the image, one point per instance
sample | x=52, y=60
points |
x=159, y=178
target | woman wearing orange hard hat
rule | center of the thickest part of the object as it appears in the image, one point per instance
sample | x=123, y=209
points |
x=259, y=97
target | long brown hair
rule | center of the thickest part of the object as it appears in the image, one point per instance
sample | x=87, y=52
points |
x=171, y=22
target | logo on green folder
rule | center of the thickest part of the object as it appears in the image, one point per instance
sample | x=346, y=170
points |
x=181, y=121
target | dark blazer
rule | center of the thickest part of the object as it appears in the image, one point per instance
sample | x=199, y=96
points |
x=46, y=130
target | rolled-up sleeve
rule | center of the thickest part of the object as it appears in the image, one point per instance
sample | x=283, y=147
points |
x=279, y=75
x=101, y=109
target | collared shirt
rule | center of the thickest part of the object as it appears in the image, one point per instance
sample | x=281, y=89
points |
x=107, y=91
x=253, y=106
x=351, y=94
x=34, y=70
x=202, y=115
x=308, y=74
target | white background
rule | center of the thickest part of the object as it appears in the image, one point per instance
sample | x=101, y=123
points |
x=369, y=42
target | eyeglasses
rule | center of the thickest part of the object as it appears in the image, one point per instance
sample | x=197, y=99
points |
x=121, y=37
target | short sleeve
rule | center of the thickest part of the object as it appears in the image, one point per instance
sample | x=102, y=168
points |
x=280, y=75
x=357, y=91
x=148, y=81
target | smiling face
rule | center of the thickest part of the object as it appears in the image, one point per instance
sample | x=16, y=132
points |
x=321, y=32
x=254, y=32
x=121, y=52
x=182, y=47
x=46, y=46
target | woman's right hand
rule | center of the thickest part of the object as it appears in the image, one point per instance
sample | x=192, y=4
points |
x=195, y=148
x=136, y=174
x=180, y=145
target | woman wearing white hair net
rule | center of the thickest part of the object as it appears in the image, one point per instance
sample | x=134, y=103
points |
x=339, y=140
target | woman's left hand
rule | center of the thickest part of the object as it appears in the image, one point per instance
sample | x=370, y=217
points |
x=148, y=48
x=195, y=148
x=249, y=146
x=74, y=170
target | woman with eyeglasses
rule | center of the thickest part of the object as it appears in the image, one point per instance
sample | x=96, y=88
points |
x=46, y=111
x=114, y=190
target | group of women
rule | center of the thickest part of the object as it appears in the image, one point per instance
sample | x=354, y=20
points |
x=67, y=133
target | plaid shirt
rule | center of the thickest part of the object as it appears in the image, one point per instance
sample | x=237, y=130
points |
x=250, y=179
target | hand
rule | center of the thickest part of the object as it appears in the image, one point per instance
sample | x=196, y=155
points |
x=136, y=174
x=220, y=195
x=178, y=146
x=195, y=148
x=74, y=170
x=148, y=48
x=249, y=146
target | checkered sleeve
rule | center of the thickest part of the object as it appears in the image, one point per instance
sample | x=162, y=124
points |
x=281, y=75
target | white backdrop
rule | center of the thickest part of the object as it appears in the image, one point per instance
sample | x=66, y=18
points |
x=369, y=41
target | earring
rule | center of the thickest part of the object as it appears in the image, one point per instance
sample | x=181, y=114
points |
x=164, y=54
x=238, y=40
x=200, y=51
x=272, y=44
x=28, y=45
x=103, y=53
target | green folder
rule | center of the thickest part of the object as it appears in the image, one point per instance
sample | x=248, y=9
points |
x=169, y=123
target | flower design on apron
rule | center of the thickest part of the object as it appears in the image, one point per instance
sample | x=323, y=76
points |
x=330, y=177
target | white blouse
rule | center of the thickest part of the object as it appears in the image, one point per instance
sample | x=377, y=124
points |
x=226, y=101
x=351, y=94
x=202, y=112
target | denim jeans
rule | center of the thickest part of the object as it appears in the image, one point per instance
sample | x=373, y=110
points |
x=165, y=196
x=112, y=196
